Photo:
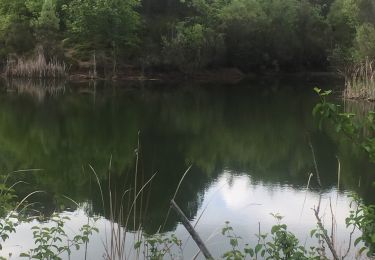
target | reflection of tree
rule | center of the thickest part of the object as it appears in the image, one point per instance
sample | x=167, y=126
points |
x=37, y=88
x=266, y=135
x=359, y=107
x=256, y=131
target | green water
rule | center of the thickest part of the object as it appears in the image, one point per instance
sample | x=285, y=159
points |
x=248, y=144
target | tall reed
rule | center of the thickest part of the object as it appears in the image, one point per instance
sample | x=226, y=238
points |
x=360, y=81
x=125, y=237
x=37, y=67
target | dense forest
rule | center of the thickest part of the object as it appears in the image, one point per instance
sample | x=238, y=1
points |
x=189, y=35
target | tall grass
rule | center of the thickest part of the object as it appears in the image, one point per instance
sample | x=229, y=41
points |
x=37, y=67
x=360, y=81
x=124, y=231
x=125, y=237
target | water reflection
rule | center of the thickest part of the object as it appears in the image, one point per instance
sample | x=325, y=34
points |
x=235, y=197
x=247, y=204
x=39, y=89
x=248, y=144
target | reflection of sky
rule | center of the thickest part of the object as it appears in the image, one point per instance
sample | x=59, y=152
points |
x=246, y=204
x=233, y=198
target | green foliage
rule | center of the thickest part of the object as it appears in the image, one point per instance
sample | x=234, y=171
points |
x=365, y=41
x=235, y=252
x=48, y=21
x=192, y=34
x=7, y=226
x=103, y=25
x=157, y=246
x=362, y=216
x=7, y=197
x=267, y=34
x=46, y=29
x=352, y=32
x=280, y=244
x=16, y=34
x=8, y=218
x=367, y=11
x=192, y=47
x=52, y=242
x=361, y=132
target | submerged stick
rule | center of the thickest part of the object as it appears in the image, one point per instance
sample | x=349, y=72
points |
x=325, y=236
x=315, y=164
x=191, y=230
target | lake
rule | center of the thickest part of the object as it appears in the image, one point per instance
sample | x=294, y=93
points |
x=251, y=147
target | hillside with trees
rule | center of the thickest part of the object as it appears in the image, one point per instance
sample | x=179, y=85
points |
x=112, y=36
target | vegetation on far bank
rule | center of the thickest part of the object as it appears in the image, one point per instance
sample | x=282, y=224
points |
x=103, y=38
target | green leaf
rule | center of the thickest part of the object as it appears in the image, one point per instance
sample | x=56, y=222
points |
x=317, y=90
x=275, y=228
x=359, y=239
x=249, y=251
x=258, y=248
x=326, y=93
x=137, y=244
x=373, y=238
x=233, y=242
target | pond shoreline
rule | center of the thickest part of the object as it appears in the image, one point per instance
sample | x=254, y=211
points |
x=228, y=75
x=223, y=75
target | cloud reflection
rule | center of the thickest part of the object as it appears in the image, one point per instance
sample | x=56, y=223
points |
x=236, y=198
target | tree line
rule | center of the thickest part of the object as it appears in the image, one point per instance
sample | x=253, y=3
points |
x=190, y=35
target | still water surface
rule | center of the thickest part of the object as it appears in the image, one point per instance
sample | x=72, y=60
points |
x=248, y=144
